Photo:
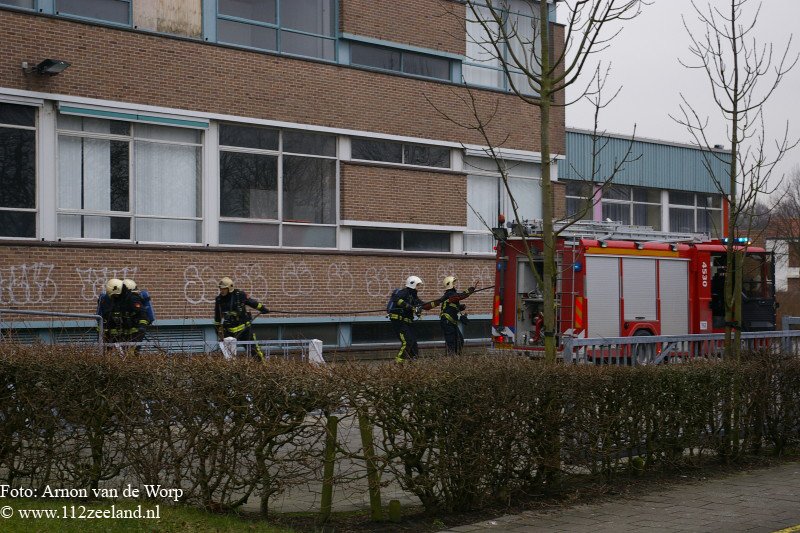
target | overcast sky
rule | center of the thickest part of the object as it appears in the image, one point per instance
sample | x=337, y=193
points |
x=644, y=59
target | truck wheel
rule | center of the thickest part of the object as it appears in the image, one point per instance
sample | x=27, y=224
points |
x=643, y=354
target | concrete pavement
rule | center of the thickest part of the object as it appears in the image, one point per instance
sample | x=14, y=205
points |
x=763, y=500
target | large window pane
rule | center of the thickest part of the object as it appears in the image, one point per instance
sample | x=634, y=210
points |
x=167, y=180
x=527, y=193
x=709, y=221
x=681, y=219
x=327, y=333
x=258, y=10
x=426, y=241
x=249, y=35
x=17, y=224
x=309, y=190
x=617, y=192
x=248, y=137
x=651, y=196
x=307, y=45
x=248, y=185
x=478, y=243
x=647, y=215
x=580, y=208
x=93, y=227
x=17, y=115
x=93, y=174
x=681, y=198
x=109, y=10
x=423, y=65
x=374, y=56
x=482, y=198
x=93, y=125
x=482, y=31
x=428, y=156
x=312, y=16
x=248, y=234
x=309, y=236
x=485, y=77
x=372, y=332
x=301, y=142
x=376, y=238
x=167, y=230
x=373, y=150
x=709, y=200
x=17, y=168
x=617, y=212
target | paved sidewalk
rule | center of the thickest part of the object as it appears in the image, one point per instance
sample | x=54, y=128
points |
x=761, y=500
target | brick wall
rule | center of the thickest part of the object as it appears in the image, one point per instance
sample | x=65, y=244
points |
x=435, y=24
x=198, y=76
x=183, y=283
x=403, y=196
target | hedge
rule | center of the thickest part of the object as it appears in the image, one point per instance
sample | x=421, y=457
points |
x=459, y=433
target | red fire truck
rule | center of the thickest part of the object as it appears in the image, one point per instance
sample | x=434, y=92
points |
x=617, y=281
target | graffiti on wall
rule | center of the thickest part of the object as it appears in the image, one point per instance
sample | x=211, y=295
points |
x=377, y=282
x=297, y=279
x=340, y=280
x=93, y=279
x=29, y=283
x=201, y=283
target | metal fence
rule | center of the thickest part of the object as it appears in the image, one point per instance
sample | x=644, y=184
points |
x=646, y=350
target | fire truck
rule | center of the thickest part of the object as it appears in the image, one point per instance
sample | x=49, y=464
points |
x=616, y=281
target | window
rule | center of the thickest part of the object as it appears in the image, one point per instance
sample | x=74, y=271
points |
x=128, y=181
x=400, y=153
x=690, y=212
x=408, y=240
x=384, y=58
x=484, y=65
x=17, y=171
x=28, y=4
x=277, y=188
x=632, y=205
x=299, y=27
x=487, y=197
x=116, y=11
x=381, y=332
x=578, y=195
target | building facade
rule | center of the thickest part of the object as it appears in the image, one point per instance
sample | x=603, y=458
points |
x=669, y=186
x=308, y=149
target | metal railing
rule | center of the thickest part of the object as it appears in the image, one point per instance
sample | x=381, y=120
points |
x=309, y=350
x=54, y=314
x=646, y=350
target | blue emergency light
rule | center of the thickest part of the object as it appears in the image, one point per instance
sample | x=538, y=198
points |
x=737, y=240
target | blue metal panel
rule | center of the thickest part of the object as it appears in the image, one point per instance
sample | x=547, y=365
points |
x=661, y=165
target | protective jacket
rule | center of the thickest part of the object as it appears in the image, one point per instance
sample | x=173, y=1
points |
x=452, y=306
x=406, y=302
x=231, y=314
x=124, y=317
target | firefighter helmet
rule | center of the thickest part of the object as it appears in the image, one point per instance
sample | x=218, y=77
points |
x=412, y=282
x=226, y=283
x=114, y=287
x=449, y=282
x=129, y=283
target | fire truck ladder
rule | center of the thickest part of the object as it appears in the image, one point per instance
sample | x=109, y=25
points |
x=608, y=230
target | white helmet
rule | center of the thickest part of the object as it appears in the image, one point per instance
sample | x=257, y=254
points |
x=412, y=282
x=226, y=283
x=449, y=282
x=114, y=287
x=129, y=283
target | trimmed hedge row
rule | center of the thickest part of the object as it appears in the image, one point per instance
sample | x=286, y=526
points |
x=458, y=433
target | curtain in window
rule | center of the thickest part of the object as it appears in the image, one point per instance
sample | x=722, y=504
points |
x=681, y=219
x=167, y=184
x=93, y=176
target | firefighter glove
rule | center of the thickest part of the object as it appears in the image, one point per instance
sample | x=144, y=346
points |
x=461, y=307
x=418, y=310
x=263, y=310
x=471, y=290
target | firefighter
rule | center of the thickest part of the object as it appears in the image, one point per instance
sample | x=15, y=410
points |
x=124, y=318
x=231, y=318
x=404, y=305
x=144, y=296
x=451, y=313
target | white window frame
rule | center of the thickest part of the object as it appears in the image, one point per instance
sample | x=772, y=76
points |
x=695, y=208
x=131, y=139
x=279, y=153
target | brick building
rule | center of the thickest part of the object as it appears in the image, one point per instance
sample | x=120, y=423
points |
x=299, y=147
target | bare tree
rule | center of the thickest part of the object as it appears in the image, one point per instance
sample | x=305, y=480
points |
x=742, y=76
x=522, y=48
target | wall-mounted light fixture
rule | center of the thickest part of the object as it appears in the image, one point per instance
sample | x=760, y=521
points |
x=50, y=67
